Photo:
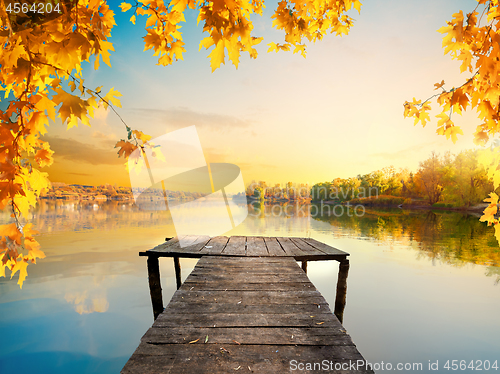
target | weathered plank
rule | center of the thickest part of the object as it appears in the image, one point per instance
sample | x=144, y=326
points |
x=234, y=358
x=290, y=247
x=215, y=245
x=256, y=246
x=324, y=247
x=236, y=246
x=273, y=247
x=306, y=248
x=250, y=313
x=251, y=335
x=193, y=246
x=207, y=319
x=221, y=286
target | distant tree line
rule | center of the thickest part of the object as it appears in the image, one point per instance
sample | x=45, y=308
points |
x=459, y=180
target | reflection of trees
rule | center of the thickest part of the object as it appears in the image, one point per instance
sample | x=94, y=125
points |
x=494, y=272
x=451, y=237
x=78, y=215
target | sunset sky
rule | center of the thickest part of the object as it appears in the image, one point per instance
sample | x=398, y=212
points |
x=337, y=113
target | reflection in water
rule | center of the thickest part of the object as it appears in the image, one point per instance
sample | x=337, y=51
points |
x=450, y=237
x=91, y=299
x=85, y=306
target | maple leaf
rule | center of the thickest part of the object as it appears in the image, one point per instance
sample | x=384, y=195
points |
x=125, y=6
x=438, y=85
x=70, y=105
x=126, y=148
x=273, y=47
x=44, y=157
x=111, y=97
x=141, y=136
x=20, y=266
x=452, y=132
x=217, y=56
x=12, y=232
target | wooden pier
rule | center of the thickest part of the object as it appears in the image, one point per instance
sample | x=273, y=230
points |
x=246, y=307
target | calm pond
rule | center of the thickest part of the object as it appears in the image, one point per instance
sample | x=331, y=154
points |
x=423, y=286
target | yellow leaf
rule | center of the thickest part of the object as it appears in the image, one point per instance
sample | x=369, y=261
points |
x=217, y=56
x=273, y=47
x=141, y=136
x=438, y=85
x=71, y=104
x=20, y=266
x=125, y=6
x=132, y=19
x=12, y=232
x=357, y=5
x=111, y=97
x=452, y=132
x=206, y=42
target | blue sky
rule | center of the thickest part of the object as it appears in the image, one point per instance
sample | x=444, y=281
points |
x=337, y=113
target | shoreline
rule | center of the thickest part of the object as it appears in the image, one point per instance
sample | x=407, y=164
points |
x=476, y=209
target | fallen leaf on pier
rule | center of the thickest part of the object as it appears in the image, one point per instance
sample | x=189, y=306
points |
x=238, y=368
x=194, y=341
x=206, y=339
x=319, y=323
x=237, y=342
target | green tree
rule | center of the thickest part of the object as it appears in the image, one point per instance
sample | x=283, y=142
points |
x=466, y=181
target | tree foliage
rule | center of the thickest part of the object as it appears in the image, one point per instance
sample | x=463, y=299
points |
x=473, y=39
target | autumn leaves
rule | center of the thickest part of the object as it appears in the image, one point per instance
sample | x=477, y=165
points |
x=41, y=77
x=474, y=40
x=229, y=27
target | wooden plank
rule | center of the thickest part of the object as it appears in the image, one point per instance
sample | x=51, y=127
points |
x=256, y=246
x=236, y=246
x=164, y=247
x=251, y=278
x=194, y=244
x=290, y=247
x=273, y=247
x=248, y=335
x=193, y=308
x=249, y=297
x=248, y=320
x=221, y=286
x=215, y=245
x=306, y=248
x=302, y=249
x=234, y=358
x=325, y=247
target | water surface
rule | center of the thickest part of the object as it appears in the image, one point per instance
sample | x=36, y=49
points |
x=423, y=286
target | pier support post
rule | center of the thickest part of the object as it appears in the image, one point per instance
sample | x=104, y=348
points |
x=340, y=299
x=155, y=285
x=304, y=266
x=177, y=266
